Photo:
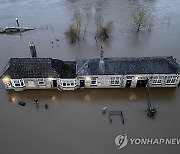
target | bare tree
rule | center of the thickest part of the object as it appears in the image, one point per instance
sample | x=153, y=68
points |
x=106, y=29
x=78, y=22
x=103, y=29
x=142, y=18
x=98, y=23
x=88, y=17
x=71, y=33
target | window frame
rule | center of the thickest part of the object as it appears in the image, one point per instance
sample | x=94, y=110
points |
x=170, y=79
x=18, y=81
x=115, y=81
x=93, y=79
x=157, y=80
x=39, y=82
x=68, y=83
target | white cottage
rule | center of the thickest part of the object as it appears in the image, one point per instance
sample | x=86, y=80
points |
x=39, y=73
x=128, y=72
x=47, y=73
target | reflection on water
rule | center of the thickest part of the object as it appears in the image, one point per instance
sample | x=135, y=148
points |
x=95, y=95
x=74, y=122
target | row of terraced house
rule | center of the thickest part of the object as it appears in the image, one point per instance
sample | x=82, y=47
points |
x=48, y=73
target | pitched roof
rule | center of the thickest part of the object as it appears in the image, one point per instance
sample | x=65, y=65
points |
x=33, y=68
x=121, y=66
x=69, y=69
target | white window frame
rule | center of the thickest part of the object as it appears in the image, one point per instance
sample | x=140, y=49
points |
x=94, y=79
x=41, y=82
x=157, y=80
x=68, y=83
x=17, y=81
x=115, y=81
x=171, y=80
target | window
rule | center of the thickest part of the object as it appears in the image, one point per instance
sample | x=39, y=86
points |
x=157, y=80
x=115, y=81
x=93, y=81
x=67, y=83
x=142, y=78
x=41, y=82
x=171, y=80
x=129, y=77
x=18, y=82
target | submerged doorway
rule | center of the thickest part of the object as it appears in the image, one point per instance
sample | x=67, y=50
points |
x=82, y=83
x=54, y=83
x=141, y=83
x=128, y=83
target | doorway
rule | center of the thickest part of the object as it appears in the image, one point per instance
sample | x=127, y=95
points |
x=141, y=83
x=128, y=83
x=82, y=83
x=54, y=83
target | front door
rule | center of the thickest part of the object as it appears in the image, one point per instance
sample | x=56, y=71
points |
x=82, y=83
x=141, y=83
x=128, y=83
x=54, y=83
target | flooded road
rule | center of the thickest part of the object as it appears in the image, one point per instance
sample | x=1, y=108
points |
x=74, y=122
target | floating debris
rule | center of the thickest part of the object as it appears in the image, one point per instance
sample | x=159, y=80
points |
x=151, y=112
x=104, y=109
x=22, y=103
x=46, y=106
x=15, y=29
x=36, y=101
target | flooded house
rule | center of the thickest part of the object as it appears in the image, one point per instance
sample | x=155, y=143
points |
x=128, y=72
x=47, y=73
x=39, y=73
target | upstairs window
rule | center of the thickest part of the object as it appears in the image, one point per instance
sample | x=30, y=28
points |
x=41, y=82
x=115, y=81
x=93, y=81
x=18, y=82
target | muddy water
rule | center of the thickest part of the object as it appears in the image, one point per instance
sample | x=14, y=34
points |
x=74, y=123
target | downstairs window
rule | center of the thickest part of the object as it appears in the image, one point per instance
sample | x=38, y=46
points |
x=40, y=82
x=171, y=80
x=18, y=82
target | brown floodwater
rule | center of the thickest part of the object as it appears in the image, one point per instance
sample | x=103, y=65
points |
x=74, y=122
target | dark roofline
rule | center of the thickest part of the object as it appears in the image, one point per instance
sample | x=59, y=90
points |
x=5, y=69
x=84, y=66
x=36, y=67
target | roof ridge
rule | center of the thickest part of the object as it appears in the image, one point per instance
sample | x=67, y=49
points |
x=174, y=63
x=5, y=68
x=83, y=66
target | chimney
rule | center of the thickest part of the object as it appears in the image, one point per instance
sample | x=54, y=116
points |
x=101, y=61
x=32, y=50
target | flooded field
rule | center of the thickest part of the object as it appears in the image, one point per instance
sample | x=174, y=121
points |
x=74, y=122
